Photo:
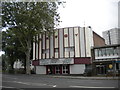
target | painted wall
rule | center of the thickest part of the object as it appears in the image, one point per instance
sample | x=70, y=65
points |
x=40, y=69
x=65, y=43
x=77, y=69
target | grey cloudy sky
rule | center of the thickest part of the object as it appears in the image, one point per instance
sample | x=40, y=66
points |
x=101, y=15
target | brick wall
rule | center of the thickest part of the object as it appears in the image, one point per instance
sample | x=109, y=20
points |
x=98, y=40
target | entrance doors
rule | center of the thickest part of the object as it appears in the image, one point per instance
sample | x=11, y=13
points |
x=65, y=69
x=101, y=69
x=58, y=69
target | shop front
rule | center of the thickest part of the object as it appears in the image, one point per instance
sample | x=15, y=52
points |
x=62, y=66
x=109, y=68
x=57, y=69
x=57, y=66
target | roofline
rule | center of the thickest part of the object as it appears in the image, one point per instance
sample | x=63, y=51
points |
x=113, y=45
x=99, y=35
x=71, y=27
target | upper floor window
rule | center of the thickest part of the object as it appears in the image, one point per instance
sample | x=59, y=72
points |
x=100, y=52
x=45, y=51
x=96, y=52
x=69, y=49
x=109, y=51
x=103, y=51
x=56, y=50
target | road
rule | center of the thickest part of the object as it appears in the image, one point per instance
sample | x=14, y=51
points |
x=24, y=82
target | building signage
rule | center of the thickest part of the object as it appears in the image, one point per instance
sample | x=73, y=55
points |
x=56, y=61
x=110, y=66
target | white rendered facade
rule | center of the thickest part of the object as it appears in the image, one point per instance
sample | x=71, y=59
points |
x=67, y=51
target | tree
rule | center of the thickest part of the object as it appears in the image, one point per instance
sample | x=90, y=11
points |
x=27, y=20
x=12, y=48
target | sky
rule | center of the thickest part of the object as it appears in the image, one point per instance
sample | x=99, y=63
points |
x=101, y=15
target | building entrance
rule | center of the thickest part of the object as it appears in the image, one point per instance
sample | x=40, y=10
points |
x=100, y=69
x=57, y=69
x=65, y=69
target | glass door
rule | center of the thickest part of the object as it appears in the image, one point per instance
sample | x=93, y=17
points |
x=65, y=69
x=57, y=69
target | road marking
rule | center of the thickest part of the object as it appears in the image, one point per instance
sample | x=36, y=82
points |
x=31, y=83
x=89, y=87
x=9, y=77
x=55, y=86
x=96, y=82
x=22, y=83
x=6, y=87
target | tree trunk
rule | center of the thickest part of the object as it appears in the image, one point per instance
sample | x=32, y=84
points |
x=28, y=63
x=28, y=70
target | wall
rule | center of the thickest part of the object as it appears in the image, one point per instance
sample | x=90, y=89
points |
x=98, y=40
x=40, y=69
x=77, y=69
x=112, y=36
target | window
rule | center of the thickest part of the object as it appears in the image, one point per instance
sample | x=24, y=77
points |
x=109, y=51
x=57, y=69
x=65, y=69
x=115, y=51
x=96, y=53
x=100, y=52
x=56, y=50
x=117, y=66
x=104, y=52
x=69, y=49
x=45, y=51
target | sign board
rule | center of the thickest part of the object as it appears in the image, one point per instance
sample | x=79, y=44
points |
x=56, y=61
x=117, y=61
x=110, y=66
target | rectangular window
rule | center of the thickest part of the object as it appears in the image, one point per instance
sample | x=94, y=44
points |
x=65, y=69
x=117, y=66
x=56, y=52
x=56, y=49
x=116, y=50
x=109, y=51
x=57, y=69
x=45, y=51
x=100, y=52
x=104, y=52
x=69, y=49
x=96, y=52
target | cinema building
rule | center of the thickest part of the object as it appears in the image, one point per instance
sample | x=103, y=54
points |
x=67, y=51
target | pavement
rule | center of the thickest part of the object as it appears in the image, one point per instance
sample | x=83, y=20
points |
x=83, y=77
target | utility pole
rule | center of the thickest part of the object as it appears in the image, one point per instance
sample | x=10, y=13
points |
x=109, y=37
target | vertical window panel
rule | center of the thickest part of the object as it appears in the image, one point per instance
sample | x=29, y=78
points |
x=56, y=38
x=43, y=46
x=47, y=47
x=37, y=47
x=51, y=47
x=33, y=50
x=61, y=46
x=77, y=47
x=66, y=37
x=40, y=43
x=71, y=41
x=82, y=42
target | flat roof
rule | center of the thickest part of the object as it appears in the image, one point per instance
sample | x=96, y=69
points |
x=106, y=46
